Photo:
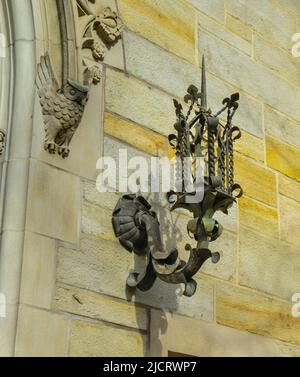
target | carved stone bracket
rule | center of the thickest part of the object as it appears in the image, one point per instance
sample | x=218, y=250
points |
x=63, y=104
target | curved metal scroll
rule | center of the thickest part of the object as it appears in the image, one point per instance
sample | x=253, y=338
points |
x=137, y=229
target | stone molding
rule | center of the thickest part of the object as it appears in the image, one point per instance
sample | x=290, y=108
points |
x=19, y=129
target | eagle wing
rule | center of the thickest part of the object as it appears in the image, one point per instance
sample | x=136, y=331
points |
x=46, y=84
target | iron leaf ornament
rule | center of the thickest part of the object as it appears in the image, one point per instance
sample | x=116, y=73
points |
x=136, y=224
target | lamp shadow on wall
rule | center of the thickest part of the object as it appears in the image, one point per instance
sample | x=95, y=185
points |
x=162, y=295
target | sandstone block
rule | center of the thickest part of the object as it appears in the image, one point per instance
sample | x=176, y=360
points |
x=248, y=311
x=168, y=23
x=53, y=202
x=268, y=265
x=95, y=339
x=93, y=305
x=40, y=333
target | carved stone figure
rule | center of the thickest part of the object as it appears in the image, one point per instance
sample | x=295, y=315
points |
x=96, y=30
x=62, y=108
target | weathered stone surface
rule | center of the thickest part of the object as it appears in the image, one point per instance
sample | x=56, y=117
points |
x=106, y=200
x=174, y=76
x=40, y=333
x=98, y=263
x=7, y=328
x=268, y=265
x=289, y=188
x=136, y=101
x=274, y=58
x=96, y=339
x=169, y=296
x=283, y=157
x=113, y=146
x=51, y=13
x=229, y=222
x=288, y=350
x=225, y=269
x=248, y=120
x=118, y=151
x=203, y=339
x=135, y=135
x=289, y=220
x=16, y=197
x=168, y=23
x=250, y=146
x=38, y=271
x=205, y=23
x=214, y=9
x=262, y=16
x=96, y=221
x=258, y=216
x=153, y=64
x=53, y=202
x=94, y=266
x=247, y=75
x=93, y=305
x=291, y=6
x=11, y=248
x=236, y=26
x=245, y=310
x=256, y=181
x=281, y=127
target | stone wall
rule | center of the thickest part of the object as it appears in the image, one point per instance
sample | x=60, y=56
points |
x=73, y=299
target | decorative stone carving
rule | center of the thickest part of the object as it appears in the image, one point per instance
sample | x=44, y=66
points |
x=92, y=73
x=2, y=141
x=63, y=105
x=62, y=108
x=99, y=33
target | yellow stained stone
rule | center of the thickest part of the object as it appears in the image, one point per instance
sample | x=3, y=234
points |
x=250, y=146
x=146, y=140
x=283, y=157
x=236, y=26
x=96, y=339
x=289, y=220
x=239, y=308
x=94, y=305
x=289, y=188
x=96, y=221
x=169, y=23
x=256, y=181
x=258, y=216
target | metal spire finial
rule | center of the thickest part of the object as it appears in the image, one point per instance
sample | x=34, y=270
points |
x=203, y=86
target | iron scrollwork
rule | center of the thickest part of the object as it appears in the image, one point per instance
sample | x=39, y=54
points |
x=136, y=224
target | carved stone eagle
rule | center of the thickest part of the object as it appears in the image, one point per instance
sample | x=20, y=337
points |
x=62, y=108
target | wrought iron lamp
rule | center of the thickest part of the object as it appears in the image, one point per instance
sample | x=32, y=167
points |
x=137, y=227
